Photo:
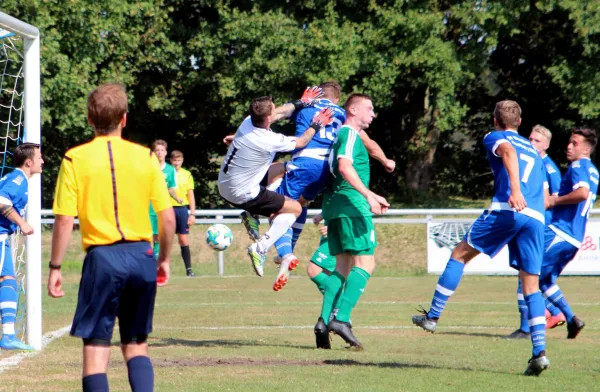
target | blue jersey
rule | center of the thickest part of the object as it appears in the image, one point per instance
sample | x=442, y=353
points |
x=569, y=220
x=531, y=173
x=13, y=192
x=320, y=145
x=553, y=178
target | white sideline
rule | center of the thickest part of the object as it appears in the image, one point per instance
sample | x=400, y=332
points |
x=14, y=360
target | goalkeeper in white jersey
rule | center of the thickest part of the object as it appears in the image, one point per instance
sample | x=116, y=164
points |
x=248, y=159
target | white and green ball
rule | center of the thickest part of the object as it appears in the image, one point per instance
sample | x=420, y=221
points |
x=219, y=236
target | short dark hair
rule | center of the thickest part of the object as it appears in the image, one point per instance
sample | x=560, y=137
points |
x=106, y=106
x=23, y=152
x=158, y=142
x=331, y=89
x=355, y=97
x=588, y=134
x=260, y=109
x=176, y=154
x=507, y=114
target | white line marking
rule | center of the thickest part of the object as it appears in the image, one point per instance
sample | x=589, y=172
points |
x=290, y=303
x=14, y=360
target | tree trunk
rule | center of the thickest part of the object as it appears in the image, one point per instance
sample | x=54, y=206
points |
x=424, y=143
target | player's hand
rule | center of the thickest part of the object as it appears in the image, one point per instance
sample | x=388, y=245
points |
x=551, y=201
x=389, y=165
x=228, y=139
x=55, y=284
x=322, y=119
x=163, y=272
x=323, y=231
x=310, y=95
x=191, y=220
x=26, y=229
x=517, y=201
x=317, y=219
x=378, y=204
x=179, y=201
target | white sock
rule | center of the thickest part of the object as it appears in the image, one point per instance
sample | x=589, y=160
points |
x=279, y=227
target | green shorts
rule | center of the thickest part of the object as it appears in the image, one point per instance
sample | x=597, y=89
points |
x=354, y=235
x=322, y=257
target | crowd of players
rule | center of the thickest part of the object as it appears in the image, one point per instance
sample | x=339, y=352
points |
x=538, y=215
x=108, y=184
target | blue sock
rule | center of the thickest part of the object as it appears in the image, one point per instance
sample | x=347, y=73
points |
x=95, y=383
x=141, y=374
x=284, y=244
x=553, y=294
x=537, y=321
x=447, y=283
x=8, y=310
x=523, y=310
x=551, y=308
x=298, y=226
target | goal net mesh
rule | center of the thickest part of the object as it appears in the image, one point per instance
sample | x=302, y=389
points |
x=12, y=130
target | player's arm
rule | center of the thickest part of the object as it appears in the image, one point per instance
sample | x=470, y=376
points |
x=8, y=211
x=65, y=211
x=577, y=196
x=307, y=99
x=321, y=119
x=173, y=194
x=510, y=161
x=192, y=199
x=376, y=152
x=378, y=204
x=160, y=199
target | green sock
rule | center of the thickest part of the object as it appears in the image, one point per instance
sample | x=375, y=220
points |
x=355, y=286
x=156, y=250
x=333, y=289
x=321, y=281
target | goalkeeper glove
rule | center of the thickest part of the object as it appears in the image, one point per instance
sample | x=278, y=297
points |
x=322, y=119
x=311, y=94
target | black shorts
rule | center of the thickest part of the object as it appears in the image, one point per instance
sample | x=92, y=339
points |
x=266, y=203
x=181, y=219
x=117, y=280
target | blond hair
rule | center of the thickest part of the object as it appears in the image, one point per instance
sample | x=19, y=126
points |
x=542, y=130
x=508, y=114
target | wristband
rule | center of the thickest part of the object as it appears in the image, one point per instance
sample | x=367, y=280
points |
x=52, y=266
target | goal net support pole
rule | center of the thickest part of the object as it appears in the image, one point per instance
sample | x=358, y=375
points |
x=33, y=242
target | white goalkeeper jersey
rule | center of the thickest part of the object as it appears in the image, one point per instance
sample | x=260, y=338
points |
x=248, y=159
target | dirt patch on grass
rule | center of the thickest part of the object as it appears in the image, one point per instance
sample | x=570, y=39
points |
x=204, y=362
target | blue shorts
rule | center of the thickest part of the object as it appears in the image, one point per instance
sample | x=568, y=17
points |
x=181, y=219
x=305, y=177
x=7, y=267
x=117, y=280
x=523, y=235
x=557, y=254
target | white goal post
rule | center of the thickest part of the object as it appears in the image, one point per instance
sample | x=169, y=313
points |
x=32, y=124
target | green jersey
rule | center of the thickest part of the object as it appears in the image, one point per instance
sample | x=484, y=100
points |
x=170, y=179
x=341, y=199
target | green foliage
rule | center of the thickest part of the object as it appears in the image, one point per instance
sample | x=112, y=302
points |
x=434, y=68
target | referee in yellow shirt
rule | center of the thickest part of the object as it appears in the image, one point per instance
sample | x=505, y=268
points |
x=108, y=183
x=183, y=218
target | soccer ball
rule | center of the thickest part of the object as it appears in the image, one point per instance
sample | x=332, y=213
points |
x=219, y=237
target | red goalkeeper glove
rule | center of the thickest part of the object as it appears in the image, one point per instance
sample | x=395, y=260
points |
x=322, y=119
x=311, y=94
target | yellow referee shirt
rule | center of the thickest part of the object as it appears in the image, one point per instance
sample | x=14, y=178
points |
x=185, y=183
x=108, y=183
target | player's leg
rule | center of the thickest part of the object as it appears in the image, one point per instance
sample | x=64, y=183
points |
x=154, y=224
x=562, y=252
x=526, y=253
x=523, y=331
x=182, y=229
x=488, y=234
x=102, y=281
x=136, y=310
x=322, y=265
x=9, y=295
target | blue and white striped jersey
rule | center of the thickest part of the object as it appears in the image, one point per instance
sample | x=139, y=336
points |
x=13, y=192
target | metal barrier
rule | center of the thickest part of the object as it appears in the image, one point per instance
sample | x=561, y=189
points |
x=392, y=216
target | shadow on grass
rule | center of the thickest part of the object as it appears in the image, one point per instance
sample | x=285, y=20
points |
x=477, y=334
x=401, y=365
x=165, y=342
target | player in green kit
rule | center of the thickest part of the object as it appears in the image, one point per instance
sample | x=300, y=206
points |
x=348, y=207
x=160, y=150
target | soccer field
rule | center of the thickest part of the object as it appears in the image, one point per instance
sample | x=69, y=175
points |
x=236, y=334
